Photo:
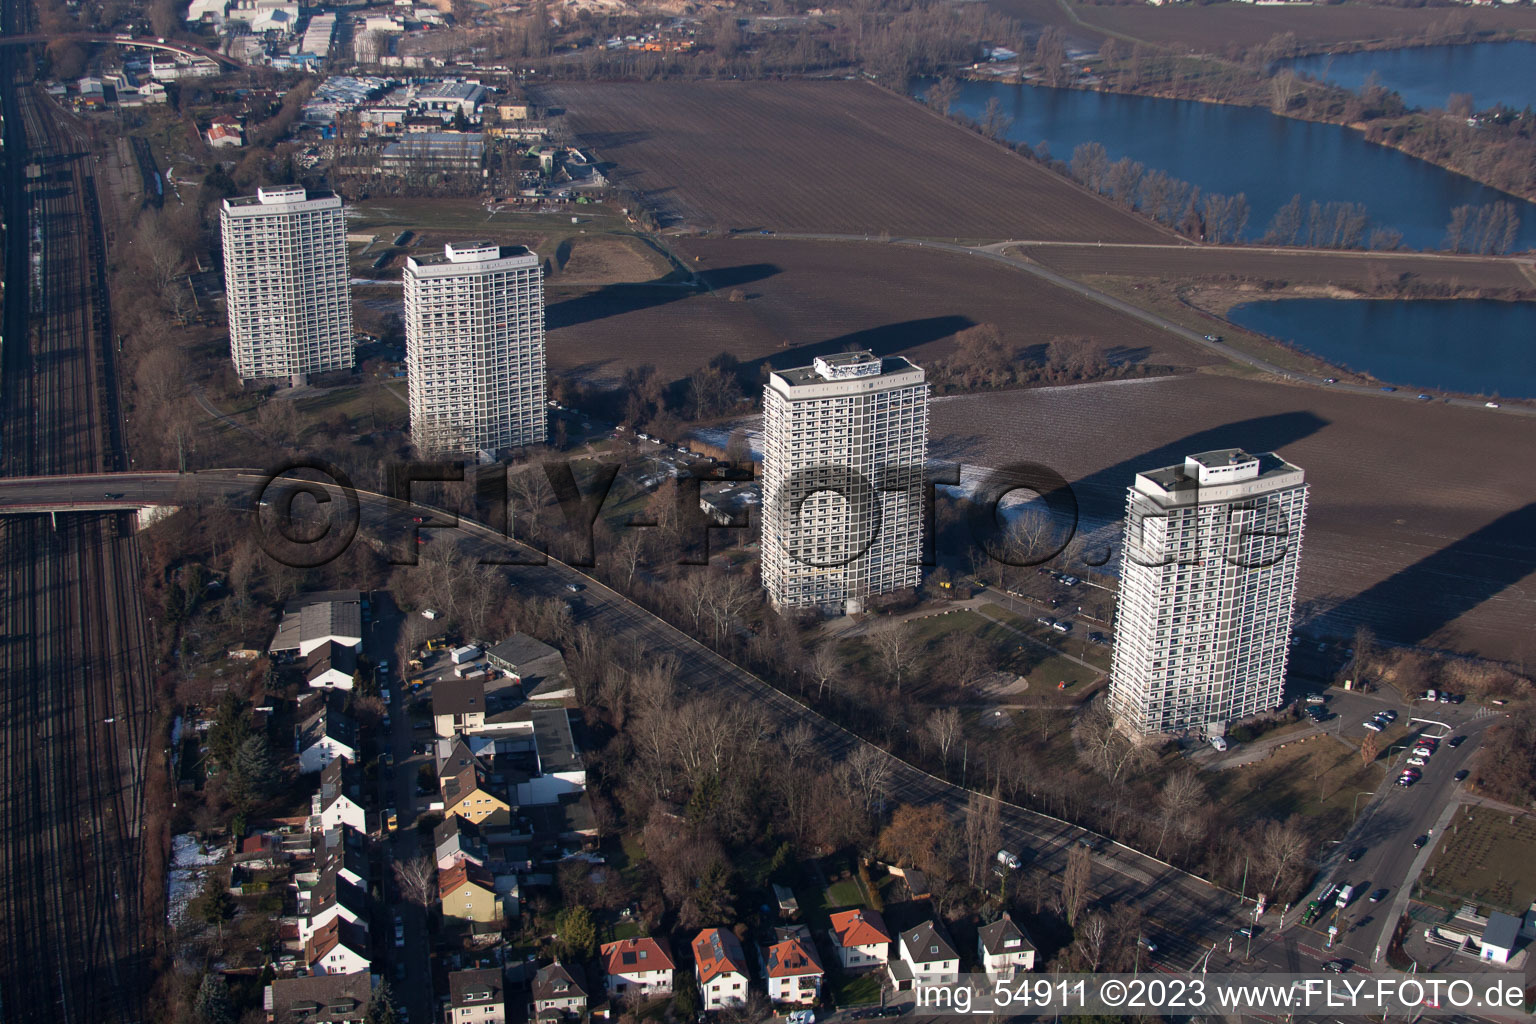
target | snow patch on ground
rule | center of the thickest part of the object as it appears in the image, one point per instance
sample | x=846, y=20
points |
x=190, y=862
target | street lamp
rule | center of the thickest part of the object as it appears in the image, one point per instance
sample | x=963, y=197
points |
x=1355, y=809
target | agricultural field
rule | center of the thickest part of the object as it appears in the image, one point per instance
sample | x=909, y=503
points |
x=1213, y=28
x=1416, y=524
x=824, y=156
x=784, y=301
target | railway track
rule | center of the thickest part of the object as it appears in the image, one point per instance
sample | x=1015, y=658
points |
x=74, y=699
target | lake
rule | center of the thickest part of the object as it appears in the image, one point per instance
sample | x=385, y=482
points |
x=1477, y=347
x=1243, y=149
x=1425, y=76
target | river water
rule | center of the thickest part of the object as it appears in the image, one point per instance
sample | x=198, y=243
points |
x=1425, y=76
x=1478, y=347
x=1243, y=149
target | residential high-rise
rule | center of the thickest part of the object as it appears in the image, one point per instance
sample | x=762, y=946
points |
x=474, y=347
x=1208, y=585
x=844, y=445
x=285, y=284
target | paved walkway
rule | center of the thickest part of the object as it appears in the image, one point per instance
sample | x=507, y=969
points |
x=212, y=410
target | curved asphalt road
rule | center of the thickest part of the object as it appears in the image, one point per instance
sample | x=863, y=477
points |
x=1174, y=902
x=995, y=252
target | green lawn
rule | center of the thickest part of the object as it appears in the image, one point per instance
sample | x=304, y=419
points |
x=854, y=989
x=844, y=894
x=1485, y=857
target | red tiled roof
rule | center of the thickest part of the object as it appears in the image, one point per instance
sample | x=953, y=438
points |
x=859, y=928
x=791, y=958
x=624, y=956
x=717, y=952
x=464, y=871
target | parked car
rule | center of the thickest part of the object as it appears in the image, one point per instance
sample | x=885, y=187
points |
x=1334, y=967
x=1490, y=405
x=1461, y=776
x=1421, y=842
x=1423, y=751
x=1062, y=627
x=1246, y=932
x=1009, y=859
x=1330, y=380
x=1422, y=397
x=1378, y=895
x=1389, y=715
x=1375, y=726
x=1445, y=698
x=1417, y=761
x=1316, y=698
x=1045, y=621
x=399, y=932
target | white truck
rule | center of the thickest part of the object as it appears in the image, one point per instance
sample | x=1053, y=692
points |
x=1009, y=860
x=1345, y=895
x=462, y=654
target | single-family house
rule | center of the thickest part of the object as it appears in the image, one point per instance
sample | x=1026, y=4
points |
x=721, y=968
x=325, y=734
x=319, y=999
x=224, y=135
x=860, y=938
x=343, y=850
x=926, y=956
x=341, y=947
x=458, y=840
x=469, y=892
x=792, y=968
x=639, y=968
x=339, y=800
x=331, y=666
x=458, y=705
x=477, y=997
x=332, y=898
x=465, y=794
x=1004, y=948
x=559, y=990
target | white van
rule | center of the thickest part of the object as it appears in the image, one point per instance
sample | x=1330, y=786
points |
x=1009, y=859
x=1345, y=895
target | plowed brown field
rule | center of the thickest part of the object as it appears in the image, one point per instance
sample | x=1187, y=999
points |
x=1213, y=27
x=838, y=157
x=802, y=298
x=1420, y=524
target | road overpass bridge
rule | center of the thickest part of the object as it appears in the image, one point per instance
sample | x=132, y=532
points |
x=146, y=42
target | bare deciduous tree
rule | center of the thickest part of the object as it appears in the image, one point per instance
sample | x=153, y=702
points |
x=1075, y=881
x=895, y=649
x=943, y=728
x=417, y=879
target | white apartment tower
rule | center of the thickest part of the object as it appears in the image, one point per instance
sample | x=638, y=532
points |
x=474, y=348
x=1208, y=586
x=844, y=445
x=285, y=284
